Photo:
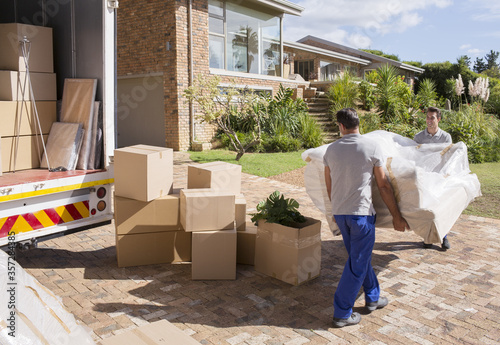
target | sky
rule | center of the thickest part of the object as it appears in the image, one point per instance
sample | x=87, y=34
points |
x=414, y=30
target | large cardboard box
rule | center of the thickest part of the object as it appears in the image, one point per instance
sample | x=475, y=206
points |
x=143, y=172
x=290, y=254
x=153, y=248
x=220, y=176
x=12, y=85
x=40, y=48
x=240, y=211
x=214, y=255
x=206, y=210
x=19, y=118
x=135, y=217
x=245, y=250
x=29, y=151
x=156, y=333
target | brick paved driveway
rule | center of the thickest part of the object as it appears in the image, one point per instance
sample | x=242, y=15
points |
x=436, y=297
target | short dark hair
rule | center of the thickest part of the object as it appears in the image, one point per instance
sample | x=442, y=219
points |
x=348, y=117
x=434, y=110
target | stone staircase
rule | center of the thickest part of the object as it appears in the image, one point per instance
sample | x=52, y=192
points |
x=319, y=110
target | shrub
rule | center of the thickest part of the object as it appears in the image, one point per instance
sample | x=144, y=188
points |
x=311, y=133
x=343, y=92
x=366, y=95
x=369, y=122
x=427, y=93
x=281, y=143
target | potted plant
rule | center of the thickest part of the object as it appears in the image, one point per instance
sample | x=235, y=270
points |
x=288, y=244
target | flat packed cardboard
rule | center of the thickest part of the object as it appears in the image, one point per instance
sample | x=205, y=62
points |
x=245, y=250
x=63, y=146
x=206, y=210
x=19, y=118
x=28, y=152
x=40, y=48
x=214, y=255
x=134, y=216
x=290, y=254
x=156, y=333
x=153, y=248
x=220, y=176
x=12, y=84
x=78, y=106
x=240, y=211
x=143, y=172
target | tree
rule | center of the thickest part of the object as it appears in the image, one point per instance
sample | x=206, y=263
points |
x=491, y=59
x=381, y=53
x=221, y=108
x=464, y=59
x=479, y=65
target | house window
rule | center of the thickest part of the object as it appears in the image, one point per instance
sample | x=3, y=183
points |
x=243, y=40
x=328, y=70
x=305, y=68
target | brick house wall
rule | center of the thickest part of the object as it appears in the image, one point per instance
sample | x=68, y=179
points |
x=153, y=38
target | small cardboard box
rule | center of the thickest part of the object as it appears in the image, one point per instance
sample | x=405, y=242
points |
x=206, y=210
x=29, y=151
x=214, y=255
x=143, y=172
x=219, y=176
x=12, y=85
x=40, y=48
x=20, y=119
x=156, y=333
x=240, y=212
x=134, y=216
x=290, y=254
x=245, y=250
x=153, y=248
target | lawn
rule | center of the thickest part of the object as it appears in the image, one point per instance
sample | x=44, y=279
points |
x=269, y=164
x=260, y=164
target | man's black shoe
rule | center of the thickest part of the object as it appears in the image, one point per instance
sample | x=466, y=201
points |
x=382, y=302
x=427, y=245
x=354, y=319
x=446, y=244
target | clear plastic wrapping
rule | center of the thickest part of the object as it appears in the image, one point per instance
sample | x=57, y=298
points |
x=432, y=183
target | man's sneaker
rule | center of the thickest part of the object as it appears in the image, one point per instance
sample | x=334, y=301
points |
x=382, y=302
x=446, y=244
x=427, y=245
x=354, y=319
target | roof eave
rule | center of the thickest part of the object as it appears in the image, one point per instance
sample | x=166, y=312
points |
x=283, y=6
x=326, y=52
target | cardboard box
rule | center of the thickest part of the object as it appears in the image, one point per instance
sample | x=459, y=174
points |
x=153, y=248
x=29, y=152
x=40, y=48
x=240, y=212
x=214, y=255
x=12, y=84
x=290, y=254
x=13, y=112
x=220, y=176
x=206, y=210
x=156, y=333
x=245, y=249
x=135, y=217
x=143, y=172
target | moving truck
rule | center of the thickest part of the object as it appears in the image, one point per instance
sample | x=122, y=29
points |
x=38, y=203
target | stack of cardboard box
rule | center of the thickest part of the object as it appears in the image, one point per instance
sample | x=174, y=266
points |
x=18, y=117
x=148, y=229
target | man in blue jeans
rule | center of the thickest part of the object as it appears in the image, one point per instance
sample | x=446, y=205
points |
x=351, y=165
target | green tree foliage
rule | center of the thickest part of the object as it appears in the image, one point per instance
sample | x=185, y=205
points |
x=479, y=65
x=491, y=59
x=381, y=53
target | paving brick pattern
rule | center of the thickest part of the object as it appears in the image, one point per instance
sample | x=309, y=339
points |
x=435, y=297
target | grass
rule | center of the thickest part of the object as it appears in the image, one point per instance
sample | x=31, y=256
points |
x=269, y=164
x=259, y=164
x=487, y=205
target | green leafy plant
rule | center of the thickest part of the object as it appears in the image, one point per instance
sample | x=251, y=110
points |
x=343, y=92
x=277, y=209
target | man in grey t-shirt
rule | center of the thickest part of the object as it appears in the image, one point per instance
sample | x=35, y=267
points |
x=434, y=135
x=352, y=163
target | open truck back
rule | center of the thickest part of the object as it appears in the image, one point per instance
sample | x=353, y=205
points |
x=35, y=203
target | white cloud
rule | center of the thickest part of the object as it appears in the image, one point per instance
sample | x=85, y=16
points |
x=465, y=46
x=356, y=22
x=485, y=10
x=475, y=51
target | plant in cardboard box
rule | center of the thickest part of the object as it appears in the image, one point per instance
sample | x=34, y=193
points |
x=288, y=245
x=277, y=209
